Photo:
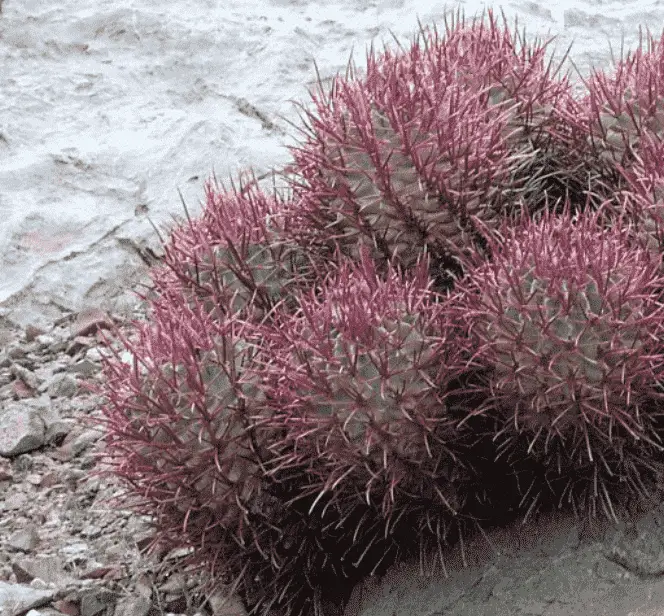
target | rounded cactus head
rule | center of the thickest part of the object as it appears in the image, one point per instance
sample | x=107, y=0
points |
x=186, y=435
x=178, y=432
x=568, y=319
x=235, y=257
x=624, y=105
x=460, y=125
x=353, y=380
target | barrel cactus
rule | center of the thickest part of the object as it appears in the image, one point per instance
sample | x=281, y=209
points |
x=236, y=257
x=624, y=104
x=569, y=317
x=642, y=198
x=353, y=381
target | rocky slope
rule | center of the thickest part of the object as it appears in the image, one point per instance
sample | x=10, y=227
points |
x=64, y=549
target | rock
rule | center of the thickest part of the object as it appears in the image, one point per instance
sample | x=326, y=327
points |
x=20, y=391
x=175, y=583
x=62, y=386
x=21, y=430
x=58, y=430
x=29, y=378
x=89, y=321
x=50, y=493
x=48, y=568
x=25, y=540
x=16, y=352
x=32, y=331
x=16, y=599
x=224, y=605
x=96, y=602
x=78, y=344
x=85, y=368
x=45, y=341
x=77, y=441
x=39, y=584
x=133, y=606
x=76, y=553
x=14, y=502
x=93, y=356
x=175, y=603
x=69, y=608
x=5, y=470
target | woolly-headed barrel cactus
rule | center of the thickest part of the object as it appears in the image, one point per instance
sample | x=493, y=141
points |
x=235, y=258
x=187, y=435
x=461, y=125
x=625, y=104
x=569, y=319
x=353, y=380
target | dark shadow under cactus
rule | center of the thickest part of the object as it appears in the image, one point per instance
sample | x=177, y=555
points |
x=314, y=569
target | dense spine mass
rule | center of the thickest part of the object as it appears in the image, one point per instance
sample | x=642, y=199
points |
x=454, y=317
x=569, y=317
x=460, y=126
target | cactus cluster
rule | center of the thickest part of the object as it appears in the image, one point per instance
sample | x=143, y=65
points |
x=453, y=319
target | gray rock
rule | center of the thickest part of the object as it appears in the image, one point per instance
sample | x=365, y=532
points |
x=95, y=602
x=133, y=606
x=59, y=429
x=76, y=553
x=31, y=332
x=86, y=367
x=62, y=386
x=45, y=341
x=84, y=440
x=21, y=430
x=25, y=540
x=16, y=599
x=14, y=501
x=90, y=320
x=16, y=352
x=93, y=355
x=27, y=376
x=48, y=568
x=224, y=605
x=56, y=427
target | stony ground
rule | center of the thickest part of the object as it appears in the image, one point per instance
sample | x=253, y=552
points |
x=64, y=550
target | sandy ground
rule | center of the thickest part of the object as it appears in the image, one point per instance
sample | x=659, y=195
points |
x=108, y=108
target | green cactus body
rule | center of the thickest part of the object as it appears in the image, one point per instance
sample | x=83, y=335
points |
x=560, y=347
x=628, y=105
x=223, y=282
x=568, y=317
x=359, y=395
x=298, y=410
x=358, y=381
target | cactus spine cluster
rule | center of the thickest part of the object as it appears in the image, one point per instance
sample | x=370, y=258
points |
x=454, y=318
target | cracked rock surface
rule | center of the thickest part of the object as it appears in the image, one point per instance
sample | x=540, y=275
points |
x=550, y=567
